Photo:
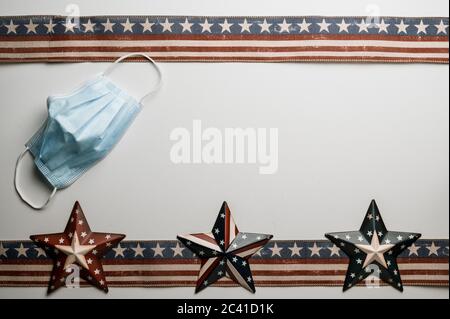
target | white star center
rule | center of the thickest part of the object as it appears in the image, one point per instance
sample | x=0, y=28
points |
x=75, y=252
x=374, y=251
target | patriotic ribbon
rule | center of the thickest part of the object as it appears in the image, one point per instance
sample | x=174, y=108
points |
x=221, y=39
x=170, y=264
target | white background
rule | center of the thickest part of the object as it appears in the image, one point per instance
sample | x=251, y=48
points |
x=347, y=134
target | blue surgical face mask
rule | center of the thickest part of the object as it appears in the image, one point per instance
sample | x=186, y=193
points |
x=81, y=129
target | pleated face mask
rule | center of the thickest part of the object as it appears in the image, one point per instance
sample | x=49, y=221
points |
x=81, y=129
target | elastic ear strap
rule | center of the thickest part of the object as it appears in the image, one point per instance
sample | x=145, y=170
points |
x=19, y=192
x=126, y=56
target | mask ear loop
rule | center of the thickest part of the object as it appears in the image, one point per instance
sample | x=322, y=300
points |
x=155, y=65
x=19, y=192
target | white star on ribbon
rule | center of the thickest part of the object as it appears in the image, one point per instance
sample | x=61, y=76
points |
x=315, y=250
x=31, y=27
x=147, y=26
x=421, y=27
x=382, y=27
x=186, y=26
x=363, y=26
x=89, y=26
x=245, y=26
x=22, y=251
x=108, y=26
x=225, y=27
x=167, y=26
x=284, y=27
x=402, y=27
x=70, y=25
x=343, y=27
x=119, y=251
x=11, y=27
x=413, y=250
x=304, y=26
x=177, y=250
x=3, y=250
x=265, y=26
x=334, y=250
x=40, y=252
x=206, y=26
x=433, y=249
x=276, y=251
x=295, y=250
x=138, y=251
x=441, y=28
x=158, y=250
x=50, y=25
x=128, y=26
x=324, y=26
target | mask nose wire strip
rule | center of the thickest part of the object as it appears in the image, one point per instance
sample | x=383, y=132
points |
x=20, y=193
x=155, y=65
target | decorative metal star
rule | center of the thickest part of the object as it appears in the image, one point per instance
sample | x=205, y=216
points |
x=373, y=250
x=79, y=246
x=225, y=251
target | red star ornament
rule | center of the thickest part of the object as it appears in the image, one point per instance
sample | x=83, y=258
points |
x=79, y=246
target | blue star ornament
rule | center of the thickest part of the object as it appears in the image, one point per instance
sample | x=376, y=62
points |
x=373, y=250
x=225, y=251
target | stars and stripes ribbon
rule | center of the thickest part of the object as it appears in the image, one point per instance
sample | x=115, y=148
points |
x=220, y=39
x=170, y=264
